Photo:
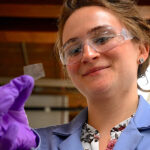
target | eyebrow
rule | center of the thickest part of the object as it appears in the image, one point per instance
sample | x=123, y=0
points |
x=97, y=28
x=70, y=41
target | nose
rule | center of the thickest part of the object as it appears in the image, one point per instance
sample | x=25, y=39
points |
x=89, y=53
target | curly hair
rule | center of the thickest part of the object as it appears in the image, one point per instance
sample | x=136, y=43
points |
x=126, y=10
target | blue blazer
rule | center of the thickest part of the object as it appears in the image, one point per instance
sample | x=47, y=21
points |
x=136, y=136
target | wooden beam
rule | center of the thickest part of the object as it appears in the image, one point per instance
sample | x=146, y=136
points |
x=45, y=11
x=57, y=83
x=59, y=2
x=54, y=83
x=28, y=37
x=28, y=24
x=49, y=86
x=39, y=2
x=28, y=10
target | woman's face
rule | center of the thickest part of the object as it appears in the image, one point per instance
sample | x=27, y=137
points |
x=97, y=73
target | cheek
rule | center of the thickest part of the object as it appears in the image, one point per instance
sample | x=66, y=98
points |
x=128, y=52
x=73, y=70
x=125, y=58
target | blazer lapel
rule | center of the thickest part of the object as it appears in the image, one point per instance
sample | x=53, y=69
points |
x=129, y=139
x=131, y=136
x=72, y=142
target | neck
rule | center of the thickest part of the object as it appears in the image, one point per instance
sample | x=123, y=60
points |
x=105, y=112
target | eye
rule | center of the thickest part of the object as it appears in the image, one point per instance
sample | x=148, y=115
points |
x=102, y=40
x=74, y=51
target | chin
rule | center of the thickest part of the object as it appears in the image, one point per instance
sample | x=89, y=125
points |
x=95, y=89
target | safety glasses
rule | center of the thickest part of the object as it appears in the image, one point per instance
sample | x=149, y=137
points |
x=99, y=39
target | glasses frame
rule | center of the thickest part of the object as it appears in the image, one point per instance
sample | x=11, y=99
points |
x=124, y=34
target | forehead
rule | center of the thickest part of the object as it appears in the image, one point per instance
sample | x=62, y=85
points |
x=86, y=18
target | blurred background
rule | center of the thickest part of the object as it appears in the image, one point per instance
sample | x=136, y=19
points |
x=28, y=30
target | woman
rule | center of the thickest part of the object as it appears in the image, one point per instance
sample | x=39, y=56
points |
x=104, y=46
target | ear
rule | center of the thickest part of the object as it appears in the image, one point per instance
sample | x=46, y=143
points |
x=143, y=51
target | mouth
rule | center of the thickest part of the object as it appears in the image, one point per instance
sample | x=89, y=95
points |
x=94, y=70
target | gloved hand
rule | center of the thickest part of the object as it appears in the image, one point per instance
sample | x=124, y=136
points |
x=15, y=133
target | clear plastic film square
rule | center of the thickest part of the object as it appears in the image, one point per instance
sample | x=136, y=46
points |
x=35, y=70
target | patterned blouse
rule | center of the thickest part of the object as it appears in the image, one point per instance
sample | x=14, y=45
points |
x=90, y=136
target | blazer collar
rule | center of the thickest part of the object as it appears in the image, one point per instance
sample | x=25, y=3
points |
x=131, y=136
x=141, y=118
x=72, y=142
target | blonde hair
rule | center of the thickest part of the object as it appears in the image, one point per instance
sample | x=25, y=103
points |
x=126, y=10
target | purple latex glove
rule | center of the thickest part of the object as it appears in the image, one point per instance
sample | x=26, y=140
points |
x=15, y=133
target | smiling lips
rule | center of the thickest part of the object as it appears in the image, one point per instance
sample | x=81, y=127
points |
x=94, y=70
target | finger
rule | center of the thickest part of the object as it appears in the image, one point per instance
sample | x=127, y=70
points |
x=24, y=84
x=8, y=140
